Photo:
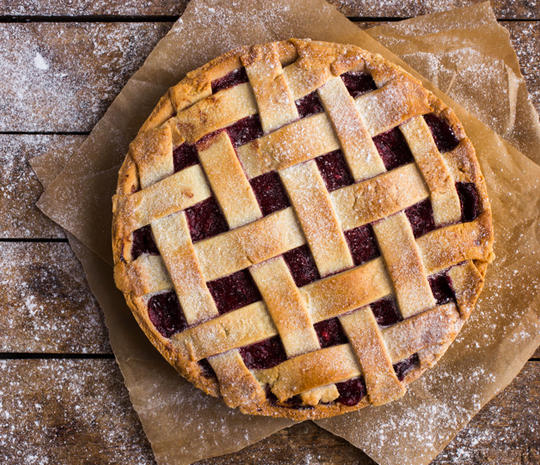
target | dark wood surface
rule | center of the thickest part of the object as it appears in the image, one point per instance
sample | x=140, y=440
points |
x=62, y=398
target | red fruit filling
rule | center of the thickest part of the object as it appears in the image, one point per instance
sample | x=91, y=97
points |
x=264, y=354
x=270, y=193
x=386, y=311
x=330, y=333
x=362, y=244
x=358, y=83
x=441, y=286
x=309, y=105
x=166, y=314
x=234, y=291
x=405, y=366
x=421, y=218
x=442, y=133
x=238, y=76
x=245, y=130
x=351, y=391
x=205, y=220
x=469, y=200
x=393, y=149
x=301, y=265
x=206, y=369
x=143, y=242
x=184, y=155
x=334, y=170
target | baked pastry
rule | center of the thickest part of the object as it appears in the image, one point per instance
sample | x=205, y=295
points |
x=301, y=228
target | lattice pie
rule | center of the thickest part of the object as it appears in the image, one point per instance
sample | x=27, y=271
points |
x=301, y=228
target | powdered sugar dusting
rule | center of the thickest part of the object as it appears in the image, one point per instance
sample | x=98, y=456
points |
x=63, y=411
x=63, y=76
x=37, y=278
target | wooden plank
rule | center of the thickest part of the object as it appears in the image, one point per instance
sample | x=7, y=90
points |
x=78, y=411
x=61, y=77
x=21, y=188
x=521, y=9
x=504, y=9
x=68, y=412
x=45, y=302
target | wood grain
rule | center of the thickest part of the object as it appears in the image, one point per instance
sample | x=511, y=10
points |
x=21, y=189
x=68, y=412
x=45, y=302
x=504, y=9
x=78, y=411
x=62, y=77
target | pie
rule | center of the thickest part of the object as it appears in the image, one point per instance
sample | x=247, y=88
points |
x=301, y=228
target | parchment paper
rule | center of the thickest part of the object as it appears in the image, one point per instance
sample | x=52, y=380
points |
x=184, y=425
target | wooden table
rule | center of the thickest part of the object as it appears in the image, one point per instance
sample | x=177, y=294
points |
x=62, y=397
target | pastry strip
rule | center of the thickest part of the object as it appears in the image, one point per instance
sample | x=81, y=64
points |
x=286, y=306
x=174, y=242
x=215, y=112
x=255, y=242
x=228, y=181
x=171, y=195
x=443, y=248
x=366, y=339
x=339, y=294
x=274, y=98
x=152, y=152
x=325, y=366
x=232, y=330
x=405, y=267
x=362, y=203
x=391, y=105
x=444, y=197
x=436, y=326
x=316, y=214
x=291, y=317
x=358, y=148
x=300, y=141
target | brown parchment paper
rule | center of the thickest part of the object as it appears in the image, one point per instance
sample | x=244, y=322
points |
x=184, y=425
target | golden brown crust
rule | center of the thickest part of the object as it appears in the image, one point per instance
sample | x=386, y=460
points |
x=294, y=69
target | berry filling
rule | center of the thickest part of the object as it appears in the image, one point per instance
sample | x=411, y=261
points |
x=393, y=149
x=245, y=130
x=362, y=244
x=270, y=193
x=184, y=156
x=334, y=170
x=386, y=311
x=143, y=242
x=468, y=198
x=264, y=354
x=421, y=218
x=234, y=291
x=441, y=286
x=442, y=133
x=205, y=220
x=301, y=265
x=206, y=369
x=309, y=105
x=330, y=333
x=351, y=391
x=166, y=314
x=404, y=367
x=238, y=76
x=358, y=83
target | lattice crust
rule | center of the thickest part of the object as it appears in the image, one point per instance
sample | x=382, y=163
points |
x=301, y=228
